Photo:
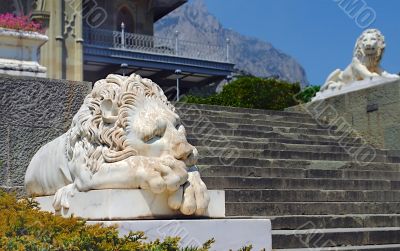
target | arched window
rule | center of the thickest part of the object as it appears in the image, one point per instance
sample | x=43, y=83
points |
x=125, y=16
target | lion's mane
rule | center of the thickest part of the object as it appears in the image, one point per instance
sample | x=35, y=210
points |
x=106, y=142
x=370, y=61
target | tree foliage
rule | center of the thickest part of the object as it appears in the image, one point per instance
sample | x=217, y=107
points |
x=307, y=94
x=252, y=92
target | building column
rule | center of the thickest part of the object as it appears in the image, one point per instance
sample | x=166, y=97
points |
x=63, y=53
x=78, y=59
x=58, y=58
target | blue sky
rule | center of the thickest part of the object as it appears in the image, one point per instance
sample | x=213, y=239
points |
x=317, y=33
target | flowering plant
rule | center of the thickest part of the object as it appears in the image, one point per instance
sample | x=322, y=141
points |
x=11, y=21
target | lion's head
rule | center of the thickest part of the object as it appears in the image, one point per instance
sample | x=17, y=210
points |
x=128, y=116
x=369, y=48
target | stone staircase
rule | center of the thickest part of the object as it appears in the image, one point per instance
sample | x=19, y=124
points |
x=304, y=177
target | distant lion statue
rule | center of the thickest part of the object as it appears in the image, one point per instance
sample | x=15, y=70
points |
x=126, y=135
x=367, y=56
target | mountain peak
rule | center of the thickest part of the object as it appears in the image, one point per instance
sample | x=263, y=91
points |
x=251, y=55
x=199, y=5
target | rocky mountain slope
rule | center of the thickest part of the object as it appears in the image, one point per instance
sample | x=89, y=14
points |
x=251, y=55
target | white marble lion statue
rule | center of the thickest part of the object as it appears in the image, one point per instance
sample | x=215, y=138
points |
x=126, y=135
x=365, y=64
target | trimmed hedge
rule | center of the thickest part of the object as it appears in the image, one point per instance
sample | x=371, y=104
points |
x=24, y=227
x=252, y=92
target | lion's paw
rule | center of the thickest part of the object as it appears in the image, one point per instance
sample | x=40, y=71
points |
x=61, y=198
x=162, y=174
x=195, y=198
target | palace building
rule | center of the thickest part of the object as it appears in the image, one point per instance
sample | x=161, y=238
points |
x=89, y=39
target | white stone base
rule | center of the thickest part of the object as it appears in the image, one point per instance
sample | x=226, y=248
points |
x=355, y=86
x=228, y=233
x=19, y=52
x=127, y=204
x=22, y=68
x=24, y=73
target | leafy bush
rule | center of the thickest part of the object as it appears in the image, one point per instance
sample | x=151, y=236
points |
x=307, y=94
x=252, y=92
x=11, y=21
x=24, y=227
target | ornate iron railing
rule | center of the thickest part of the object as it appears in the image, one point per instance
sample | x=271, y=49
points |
x=155, y=44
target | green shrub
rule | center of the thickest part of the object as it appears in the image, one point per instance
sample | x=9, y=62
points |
x=252, y=92
x=24, y=227
x=307, y=94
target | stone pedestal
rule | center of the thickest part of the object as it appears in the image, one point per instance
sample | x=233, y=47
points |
x=141, y=210
x=353, y=87
x=229, y=234
x=19, y=52
x=128, y=204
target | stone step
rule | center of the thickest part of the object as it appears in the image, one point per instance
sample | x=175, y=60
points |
x=195, y=120
x=293, y=183
x=280, y=146
x=268, y=209
x=387, y=247
x=313, y=238
x=334, y=221
x=274, y=154
x=229, y=127
x=285, y=154
x=395, y=185
x=257, y=131
x=243, y=171
x=206, y=141
x=230, y=135
x=241, y=117
x=265, y=143
x=345, y=174
x=181, y=107
x=353, y=174
x=294, y=118
x=271, y=172
x=227, y=160
x=276, y=195
x=207, y=109
x=394, y=159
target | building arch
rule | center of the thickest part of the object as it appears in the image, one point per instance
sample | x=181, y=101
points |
x=126, y=15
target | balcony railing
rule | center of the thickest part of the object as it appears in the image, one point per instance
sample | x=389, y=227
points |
x=156, y=45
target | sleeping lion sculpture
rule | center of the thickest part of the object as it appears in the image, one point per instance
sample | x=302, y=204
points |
x=368, y=53
x=126, y=135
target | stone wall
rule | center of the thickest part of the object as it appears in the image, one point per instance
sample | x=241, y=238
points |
x=33, y=111
x=372, y=112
